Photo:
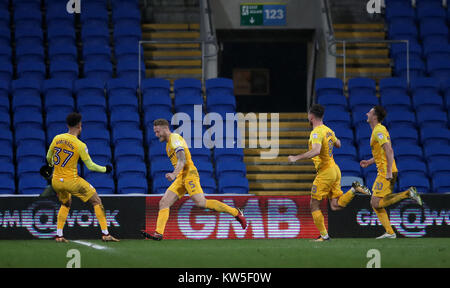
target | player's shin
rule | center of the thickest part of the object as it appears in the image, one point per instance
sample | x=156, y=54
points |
x=346, y=198
x=319, y=221
x=100, y=213
x=384, y=219
x=163, y=216
x=392, y=199
x=221, y=207
x=61, y=219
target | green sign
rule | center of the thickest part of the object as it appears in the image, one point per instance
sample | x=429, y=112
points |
x=252, y=14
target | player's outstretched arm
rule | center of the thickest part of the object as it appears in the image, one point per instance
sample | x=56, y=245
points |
x=179, y=167
x=86, y=158
x=366, y=163
x=315, y=150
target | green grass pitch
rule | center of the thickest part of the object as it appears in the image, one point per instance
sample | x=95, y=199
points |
x=277, y=253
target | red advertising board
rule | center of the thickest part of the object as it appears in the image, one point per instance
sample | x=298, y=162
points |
x=268, y=217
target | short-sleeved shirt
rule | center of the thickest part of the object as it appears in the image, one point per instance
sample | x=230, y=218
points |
x=380, y=136
x=326, y=137
x=67, y=149
x=175, y=144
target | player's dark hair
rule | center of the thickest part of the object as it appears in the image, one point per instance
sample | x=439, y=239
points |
x=317, y=110
x=161, y=122
x=73, y=119
x=380, y=112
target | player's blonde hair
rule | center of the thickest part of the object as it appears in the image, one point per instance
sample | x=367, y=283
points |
x=161, y=122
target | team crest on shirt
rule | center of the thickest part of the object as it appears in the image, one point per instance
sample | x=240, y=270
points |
x=380, y=135
x=314, y=136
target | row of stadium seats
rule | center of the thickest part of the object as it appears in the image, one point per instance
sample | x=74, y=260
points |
x=114, y=131
x=426, y=28
x=103, y=54
x=419, y=133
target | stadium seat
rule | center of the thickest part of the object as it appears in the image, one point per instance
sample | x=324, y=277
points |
x=200, y=154
x=102, y=182
x=434, y=151
x=220, y=95
x=28, y=167
x=8, y=186
x=32, y=70
x=5, y=120
x=349, y=167
x=131, y=184
x=26, y=94
x=30, y=54
x=6, y=153
x=28, y=150
x=6, y=71
x=438, y=165
x=57, y=93
x=341, y=119
x=406, y=135
x=125, y=153
x=233, y=185
x=97, y=120
x=401, y=118
x=29, y=134
x=411, y=165
x=188, y=92
x=55, y=15
x=96, y=53
x=346, y=152
x=404, y=151
x=231, y=154
x=126, y=52
x=439, y=69
x=329, y=92
x=160, y=185
x=399, y=10
x=127, y=135
x=33, y=184
x=429, y=118
x=230, y=168
x=205, y=169
x=28, y=117
x=425, y=93
x=6, y=138
x=407, y=180
x=157, y=151
x=433, y=30
x=156, y=93
x=95, y=34
x=66, y=70
x=98, y=70
x=125, y=33
x=160, y=168
x=100, y=153
x=7, y=171
x=62, y=52
x=101, y=137
x=436, y=52
x=151, y=114
x=125, y=13
x=124, y=119
x=435, y=135
x=94, y=13
x=403, y=29
x=430, y=10
x=441, y=182
x=130, y=169
x=417, y=68
x=61, y=35
x=362, y=134
x=364, y=151
x=208, y=185
x=400, y=51
x=90, y=93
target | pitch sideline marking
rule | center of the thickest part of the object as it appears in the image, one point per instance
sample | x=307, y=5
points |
x=92, y=245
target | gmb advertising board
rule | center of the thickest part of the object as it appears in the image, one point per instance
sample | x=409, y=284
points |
x=268, y=217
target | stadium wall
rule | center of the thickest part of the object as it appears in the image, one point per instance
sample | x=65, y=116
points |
x=269, y=217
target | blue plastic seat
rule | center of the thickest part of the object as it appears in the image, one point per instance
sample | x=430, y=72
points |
x=417, y=68
x=98, y=70
x=156, y=93
x=28, y=167
x=200, y=154
x=61, y=69
x=441, y=182
x=102, y=182
x=412, y=165
x=439, y=69
x=7, y=170
x=231, y=154
x=160, y=185
x=5, y=53
x=6, y=152
x=31, y=184
x=329, y=92
x=61, y=35
x=230, y=168
x=404, y=135
x=130, y=120
x=132, y=184
x=432, y=118
x=30, y=54
x=6, y=71
x=6, y=137
x=102, y=137
x=56, y=15
x=400, y=51
x=130, y=70
x=124, y=32
x=94, y=13
x=5, y=120
x=62, y=52
x=425, y=93
x=401, y=118
x=205, y=169
x=233, y=185
x=26, y=94
x=96, y=53
x=28, y=150
x=346, y=136
x=430, y=9
x=362, y=134
x=100, y=153
x=405, y=151
x=127, y=135
x=130, y=168
x=126, y=153
x=152, y=114
x=57, y=95
x=95, y=120
x=349, y=167
x=399, y=9
x=435, y=135
x=32, y=70
x=438, y=165
x=29, y=134
x=187, y=92
x=220, y=95
x=434, y=151
x=346, y=152
x=90, y=93
x=125, y=52
x=208, y=185
x=364, y=150
x=160, y=168
x=407, y=180
x=124, y=13
x=433, y=30
x=95, y=34
x=403, y=29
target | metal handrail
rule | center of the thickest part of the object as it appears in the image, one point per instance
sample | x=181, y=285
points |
x=344, y=42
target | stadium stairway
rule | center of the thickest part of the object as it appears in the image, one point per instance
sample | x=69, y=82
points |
x=277, y=176
x=362, y=59
x=172, y=21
